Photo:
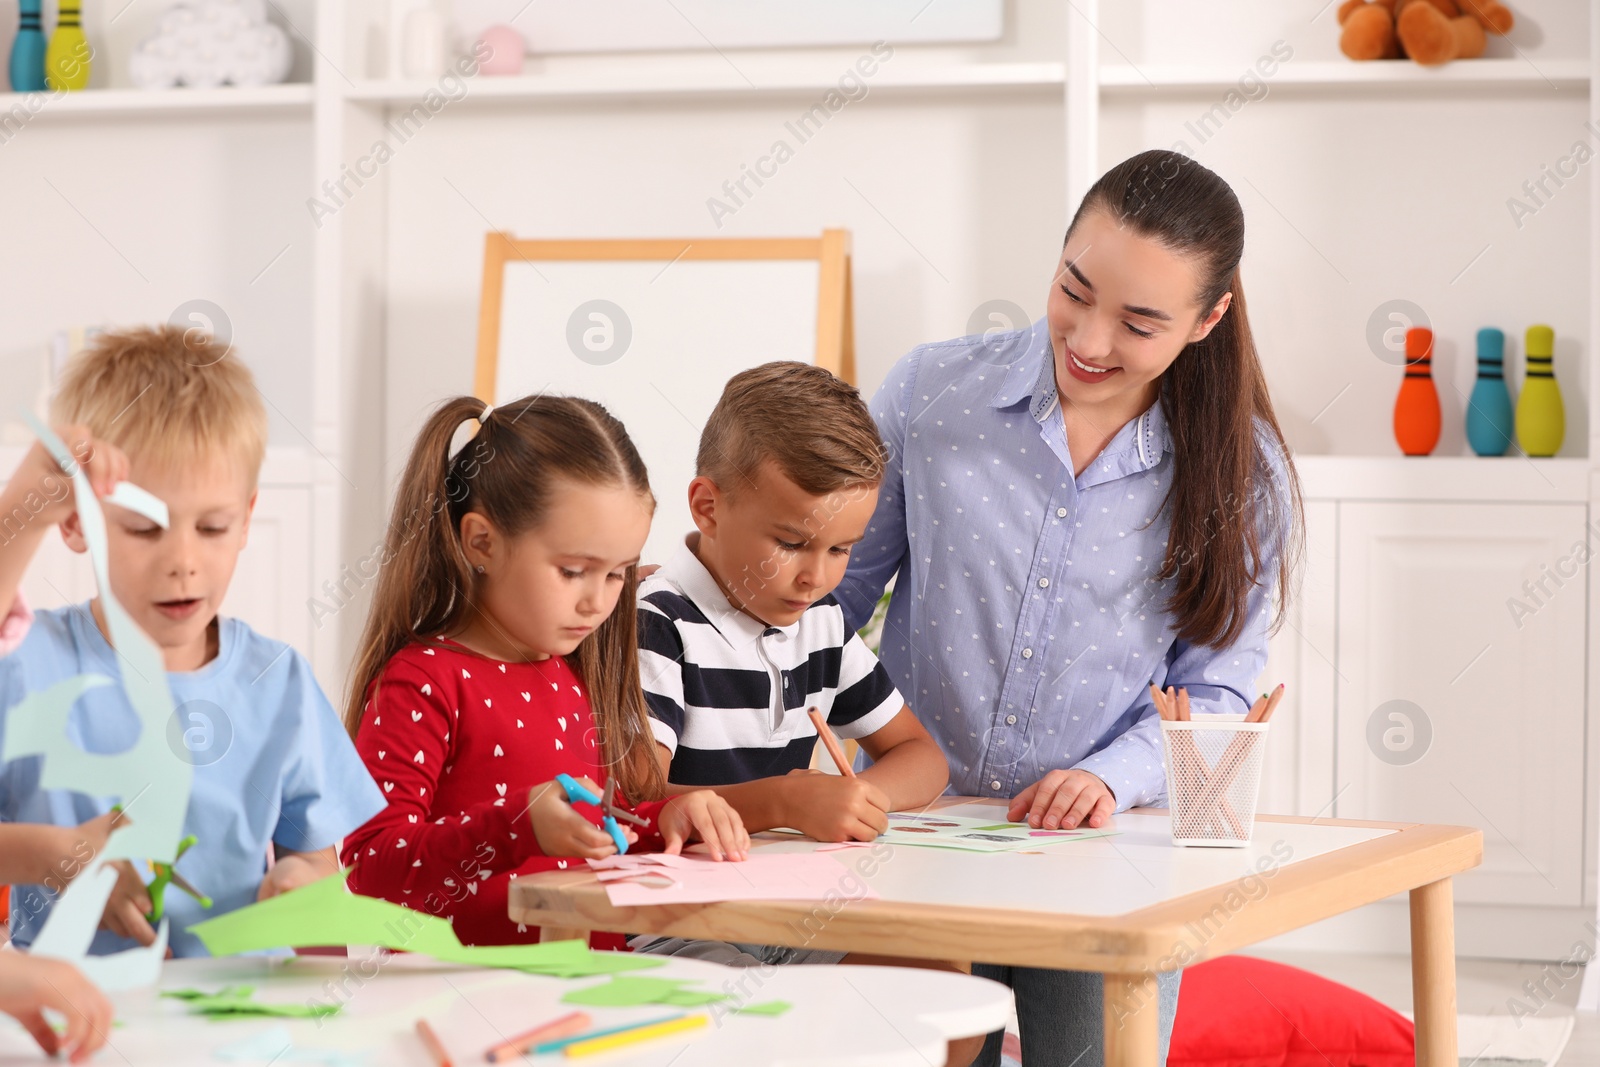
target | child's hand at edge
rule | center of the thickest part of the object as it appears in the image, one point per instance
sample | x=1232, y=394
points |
x=128, y=905
x=1063, y=799
x=561, y=831
x=833, y=807
x=29, y=984
x=293, y=870
x=703, y=814
x=103, y=463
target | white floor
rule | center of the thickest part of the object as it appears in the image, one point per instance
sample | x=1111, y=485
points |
x=1483, y=987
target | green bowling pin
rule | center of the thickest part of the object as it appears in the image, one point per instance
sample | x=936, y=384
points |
x=1541, y=421
x=66, y=60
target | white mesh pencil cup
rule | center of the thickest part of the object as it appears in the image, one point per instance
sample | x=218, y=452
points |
x=1213, y=777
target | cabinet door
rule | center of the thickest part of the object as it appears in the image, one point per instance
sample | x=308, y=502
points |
x=1461, y=688
x=1298, y=776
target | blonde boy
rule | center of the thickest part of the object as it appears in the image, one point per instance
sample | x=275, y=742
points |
x=181, y=417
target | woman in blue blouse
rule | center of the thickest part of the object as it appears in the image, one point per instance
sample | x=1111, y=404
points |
x=1079, y=509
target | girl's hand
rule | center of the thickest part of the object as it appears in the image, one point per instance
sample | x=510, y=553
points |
x=704, y=814
x=29, y=984
x=561, y=831
x=105, y=465
x=1062, y=800
x=288, y=872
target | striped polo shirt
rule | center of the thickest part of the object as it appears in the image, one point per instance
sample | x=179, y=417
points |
x=728, y=694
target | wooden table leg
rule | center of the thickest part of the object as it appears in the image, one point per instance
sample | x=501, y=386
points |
x=1132, y=1037
x=562, y=933
x=1433, y=973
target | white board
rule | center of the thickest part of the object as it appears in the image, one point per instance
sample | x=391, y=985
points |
x=659, y=355
x=552, y=26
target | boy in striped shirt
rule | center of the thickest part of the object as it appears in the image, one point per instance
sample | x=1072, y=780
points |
x=740, y=634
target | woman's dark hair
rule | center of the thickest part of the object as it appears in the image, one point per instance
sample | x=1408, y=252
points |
x=1226, y=441
x=508, y=473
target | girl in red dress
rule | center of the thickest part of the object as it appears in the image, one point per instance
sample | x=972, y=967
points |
x=501, y=651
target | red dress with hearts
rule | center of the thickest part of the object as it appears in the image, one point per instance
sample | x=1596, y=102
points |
x=455, y=740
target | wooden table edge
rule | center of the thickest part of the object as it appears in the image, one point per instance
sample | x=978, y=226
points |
x=1165, y=936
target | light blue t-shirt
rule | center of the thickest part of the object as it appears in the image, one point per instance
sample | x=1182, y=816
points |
x=271, y=763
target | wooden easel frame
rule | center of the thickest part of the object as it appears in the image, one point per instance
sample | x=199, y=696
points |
x=836, y=349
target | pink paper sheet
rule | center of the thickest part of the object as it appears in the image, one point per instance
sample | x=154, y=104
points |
x=779, y=876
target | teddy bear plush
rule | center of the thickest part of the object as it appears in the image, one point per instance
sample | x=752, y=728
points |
x=1432, y=32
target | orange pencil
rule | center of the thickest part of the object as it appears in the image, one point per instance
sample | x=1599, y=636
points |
x=1272, y=703
x=1183, y=705
x=514, y=1048
x=431, y=1042
x=830, y=742
x=1160, y=702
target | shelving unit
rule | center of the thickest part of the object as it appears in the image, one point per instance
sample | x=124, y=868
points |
x=226, y=101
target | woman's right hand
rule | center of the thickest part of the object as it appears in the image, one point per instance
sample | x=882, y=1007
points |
x=29, y=984
x=561, y=831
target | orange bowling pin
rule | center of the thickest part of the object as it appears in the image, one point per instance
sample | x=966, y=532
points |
x=1416, y=410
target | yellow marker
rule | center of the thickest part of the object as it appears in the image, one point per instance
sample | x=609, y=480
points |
x=67, y=57
x=633, y=1037
x=1541, y=421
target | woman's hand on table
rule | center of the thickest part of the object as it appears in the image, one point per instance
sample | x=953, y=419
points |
x=1062, y=800
x=831, y=807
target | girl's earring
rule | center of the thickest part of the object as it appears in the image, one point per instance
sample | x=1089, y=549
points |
x=480, y=568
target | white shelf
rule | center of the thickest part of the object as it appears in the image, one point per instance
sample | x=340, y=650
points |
x=1500, y=479
x=1565, y=75
x=719, y=82
x=267, y=99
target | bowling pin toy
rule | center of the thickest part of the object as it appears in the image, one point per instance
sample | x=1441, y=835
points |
x=66, y=60
x=27, y=51
x=1490, y=422
x=1416, y=410
x=1541, y=420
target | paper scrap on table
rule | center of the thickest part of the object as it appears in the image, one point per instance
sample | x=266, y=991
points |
x=240, y=1001
x=763, y=876
x=274, y=1045
x=630, y=992
x=932, y=830
x=325, y=913
x=151, y=779
x=773, y=1008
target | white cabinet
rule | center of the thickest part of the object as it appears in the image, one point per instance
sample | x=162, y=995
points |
x=1492, y=734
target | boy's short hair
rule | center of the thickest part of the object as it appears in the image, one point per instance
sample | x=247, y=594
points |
x=166, y=396
x=813, y=425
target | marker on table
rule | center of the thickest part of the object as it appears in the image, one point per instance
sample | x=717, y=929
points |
x=561, y=1043
x=634, y=1035
x=830, y=742
x=431, y=1042
x=513, y=1048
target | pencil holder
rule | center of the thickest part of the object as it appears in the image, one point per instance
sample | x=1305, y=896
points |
x=1213, y=777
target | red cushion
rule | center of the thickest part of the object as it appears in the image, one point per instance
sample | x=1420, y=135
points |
x=1241, y=1012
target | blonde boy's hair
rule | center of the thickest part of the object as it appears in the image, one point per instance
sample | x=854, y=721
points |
x=165, y=396
x=813, y=425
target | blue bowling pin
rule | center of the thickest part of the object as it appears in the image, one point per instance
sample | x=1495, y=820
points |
x=1490, y=418
x=27, y=51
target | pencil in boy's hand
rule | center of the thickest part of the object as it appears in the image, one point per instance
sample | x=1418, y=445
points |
x=830, y=742
x=431, y=1042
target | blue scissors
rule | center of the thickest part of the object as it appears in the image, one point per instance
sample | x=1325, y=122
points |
x=578, y=794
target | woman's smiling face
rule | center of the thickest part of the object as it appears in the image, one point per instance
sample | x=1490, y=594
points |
x=1122, y=307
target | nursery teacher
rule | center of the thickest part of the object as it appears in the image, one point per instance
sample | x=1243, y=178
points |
x=1078, y=509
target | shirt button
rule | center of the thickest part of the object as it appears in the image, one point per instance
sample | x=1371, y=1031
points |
x=1061, y=513
x=994, y=784
x=1027, y=653
x=1044, y=583
x=1011, y=720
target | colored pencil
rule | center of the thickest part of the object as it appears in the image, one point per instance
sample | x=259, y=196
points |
x=831, y=743
x=431, y=1042
x=560, y=1043
x=1183, y=705
x=1272, y=703
x=513, y=1048
x=632, y=1037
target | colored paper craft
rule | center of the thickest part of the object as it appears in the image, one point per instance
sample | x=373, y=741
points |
x=325, y=913
x=772, y=1008
x=975, y=835
x=625, y=992
x=769, y=876
x=240, y=1001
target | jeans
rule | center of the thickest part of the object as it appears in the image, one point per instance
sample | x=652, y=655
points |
x=1062, y=1017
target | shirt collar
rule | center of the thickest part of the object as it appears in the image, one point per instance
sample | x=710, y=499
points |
x=697, y=583
x=1031, y=374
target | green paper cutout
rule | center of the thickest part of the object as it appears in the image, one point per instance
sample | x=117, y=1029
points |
x=690, y=998
x=772, y=1008
x=239, y=1001
x=324, y=913
x=1004, y=826
x=625, y=992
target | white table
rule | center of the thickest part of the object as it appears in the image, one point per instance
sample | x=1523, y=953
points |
x=893, y=1017
x=1127, y=906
